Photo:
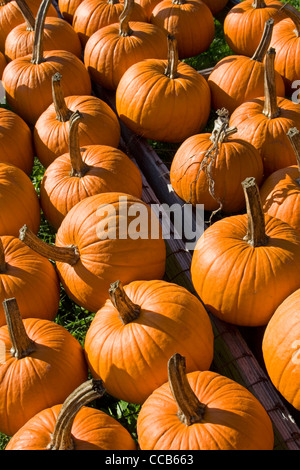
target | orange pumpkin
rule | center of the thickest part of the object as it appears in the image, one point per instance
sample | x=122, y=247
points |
x=159, y=316
x=43, y=364
x=68, y=8
x=100, y=124
x=280, y=347
x=245, y=265
x=111, y=50
x=74, y=426
x=189, y=21
x=148, y=6
x=104, y=237
x=238, y=78
x=3, y=64
x=173, y=101
x=202, y=410
x=83, y=172
x=15, y=151
x=27, y=80
x=28, y=277
x=215, y=6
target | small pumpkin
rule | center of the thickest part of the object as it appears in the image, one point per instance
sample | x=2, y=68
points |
x=27, y=80
x=3, y=64
x=209, y=168
x=244, y=266
x=202, y=410
x=43, y=364
x=239, y=78
x=68, y=8
x=173, y=101
x=99, y=125
x=111, y=50
x=215, y=6
x=158, y=316
x=148, y=6
x=83, y=172
x=280, y=347
x=189, y=21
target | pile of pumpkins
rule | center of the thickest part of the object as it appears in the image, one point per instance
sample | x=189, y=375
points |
x=150, y=341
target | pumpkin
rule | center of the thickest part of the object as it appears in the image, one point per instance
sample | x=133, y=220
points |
x=91, y=15
x=148, y=6
x=102, y=239
x=111, y=50
x=265, y=121
x=245, y=265
x=286, y=42
x=27, y=80
x=245, y=22
x=57, y=34
x=238, y=78
x=99, y=125
x=68, y=8
x=202, y=410
x=19, y=202
x=15, y=151
x=43, y=364
x=11, y=16
x=209, y=168
x=189, y=21
x=173, y=101
x=161, y=317
x=280, y=347
x=83, y=172
x=28, y=277
x=215, y=6
x=3, y=64
x=74, y=426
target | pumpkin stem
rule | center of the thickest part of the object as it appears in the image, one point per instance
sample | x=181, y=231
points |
x=171, y=70
x=61, y=438
x=37, y=53
x=27, y=14
x=190, y=409
x=294, y=137
x=256, y=232
x=128, y=311
x=259, y=4
x=263, y=46
x=271, y=108
x=178, y=2
x=63, y=113
x=2, y=258
x=294, y=14
x=221, y=130
x=22, y=345
x=62, y=254
x=124, y=18
x=79, y=168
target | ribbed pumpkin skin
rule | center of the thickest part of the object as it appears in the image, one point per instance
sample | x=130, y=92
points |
x=28, y=86
x=268, y=135
x=92, y=430
x=91, y=15
x=233, y=420
x=102, y=261
x=280, y=196
x=171, y=319
x=107, y=54
x=244, y=25
x=57, y=35
x=191, y=23
x=280, y=348
x=15, y=141
x=99, y=125
x=237, y=79
x=215, y=6
x=44, y=378
x=19, y=202
x=31, y=279
x=68, y=8
x=148, y=6
x=11, y=16
x=110, y=170
x=241, y=284
x=3, y=64
x=236, y=160
x=165, y=109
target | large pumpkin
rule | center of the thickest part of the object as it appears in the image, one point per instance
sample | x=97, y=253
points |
x=245, y=265
x=99, y=125
x=202, y=410
x=104, y=237
x=173, y=100
x=27, y=80
x=159, y=316
x=43, y=364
